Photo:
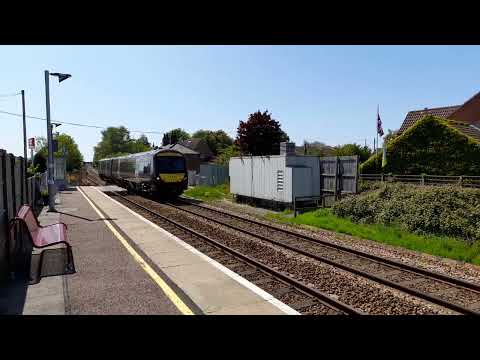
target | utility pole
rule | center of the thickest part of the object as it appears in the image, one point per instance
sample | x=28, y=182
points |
x=24, y=141
x=51, y=183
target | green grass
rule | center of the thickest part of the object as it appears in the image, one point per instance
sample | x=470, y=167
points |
x=443, y=246
x=209, y=193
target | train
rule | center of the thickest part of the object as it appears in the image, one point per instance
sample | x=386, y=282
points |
x=161, y=172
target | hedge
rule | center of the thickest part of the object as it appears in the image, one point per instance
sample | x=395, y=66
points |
x=439, y=210
x=431, y=146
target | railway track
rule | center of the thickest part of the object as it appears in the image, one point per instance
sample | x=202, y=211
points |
x=452, y=293
x=449, y=292
x=299, y=296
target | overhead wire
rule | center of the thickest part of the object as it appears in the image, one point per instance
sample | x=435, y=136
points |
x=8, y=95
x=76, y=124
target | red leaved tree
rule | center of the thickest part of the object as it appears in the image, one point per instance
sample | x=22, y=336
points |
x=260, y=135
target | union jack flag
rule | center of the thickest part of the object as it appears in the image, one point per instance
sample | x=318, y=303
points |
x=379, y=124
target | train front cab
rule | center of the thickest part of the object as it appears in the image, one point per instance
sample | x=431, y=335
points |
x=170, y=173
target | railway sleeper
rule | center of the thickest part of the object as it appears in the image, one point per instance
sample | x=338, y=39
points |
x=248, y=272
x=282, y=291
x=300, y=305
x=265, y=280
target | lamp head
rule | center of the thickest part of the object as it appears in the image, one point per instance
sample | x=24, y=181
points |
x=61, y=77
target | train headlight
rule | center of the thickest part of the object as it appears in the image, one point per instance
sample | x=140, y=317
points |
x=158, y=177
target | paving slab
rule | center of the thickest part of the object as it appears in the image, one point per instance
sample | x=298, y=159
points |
x=208, y=284
x=108, y=279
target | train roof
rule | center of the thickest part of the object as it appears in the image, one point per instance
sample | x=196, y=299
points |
x=152, y=152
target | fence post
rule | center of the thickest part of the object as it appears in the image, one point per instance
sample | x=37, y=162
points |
x=423, y=180
x=460, y=180
x=381, y=178
x=336, y=177
x=356, y=173
x=24, y=181
x=3, y=246
x=3, y=184
x=17, y=176
x=10, y=173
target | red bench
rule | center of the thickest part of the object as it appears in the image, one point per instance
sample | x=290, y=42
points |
x=43, y=236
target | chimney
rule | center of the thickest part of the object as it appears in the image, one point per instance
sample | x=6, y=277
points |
x=287, y=148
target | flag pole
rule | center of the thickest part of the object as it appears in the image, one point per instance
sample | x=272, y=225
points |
x=378, y=112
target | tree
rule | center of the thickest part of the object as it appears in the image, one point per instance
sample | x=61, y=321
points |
x=315, y=148
x=139, y=145
x=260, y=135
x=174, y=136
x=224, y=156
x=363, y=152
x=390, y=136
x=217, y=141
x=40, y=160
x=66, y=145
x=40, y=143
x=116, y=141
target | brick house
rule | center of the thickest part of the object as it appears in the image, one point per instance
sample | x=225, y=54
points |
x=464, y=117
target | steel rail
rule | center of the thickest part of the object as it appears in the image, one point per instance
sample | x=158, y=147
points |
x=418, y=293
x=379, y=259
x=320, y=296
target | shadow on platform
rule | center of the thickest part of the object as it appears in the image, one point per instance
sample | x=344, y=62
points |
x=12, y=297
x=84, y=218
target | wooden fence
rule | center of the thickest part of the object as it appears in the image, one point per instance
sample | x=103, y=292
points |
x=338, y=176
x=464, y=181
x=14, y=192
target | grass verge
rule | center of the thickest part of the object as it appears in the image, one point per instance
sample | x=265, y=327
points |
x=209, y=193
x=443, y=246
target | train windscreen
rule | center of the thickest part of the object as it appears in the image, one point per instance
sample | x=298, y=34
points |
x=170, y=164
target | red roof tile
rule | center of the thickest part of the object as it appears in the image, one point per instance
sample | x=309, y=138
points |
x=467, y=129
x=413, y=116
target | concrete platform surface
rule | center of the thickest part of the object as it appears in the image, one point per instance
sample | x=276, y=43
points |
x=198, y=280
x=128, y=265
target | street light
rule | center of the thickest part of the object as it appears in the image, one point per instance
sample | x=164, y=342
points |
x=51, y=183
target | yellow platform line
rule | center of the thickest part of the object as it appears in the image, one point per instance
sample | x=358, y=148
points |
x=167, y=290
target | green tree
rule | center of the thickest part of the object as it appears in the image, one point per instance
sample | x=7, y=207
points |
x=315, y=148
x=66, y=145
x=116, y=141
x=391, y=135
x=363, y=152
x=260, y=135
x=139, y=145
x=40, y=160
x=174, y=136
x=224, y=155
x=40, y=143
x=216, y=140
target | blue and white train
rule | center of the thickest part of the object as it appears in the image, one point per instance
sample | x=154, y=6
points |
x=160, y=172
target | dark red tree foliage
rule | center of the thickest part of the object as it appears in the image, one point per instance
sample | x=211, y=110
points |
x=260, y=135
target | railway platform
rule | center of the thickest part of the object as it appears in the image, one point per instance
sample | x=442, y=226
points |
x=128, y=265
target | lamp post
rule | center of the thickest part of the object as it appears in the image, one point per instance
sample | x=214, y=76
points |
x=51, y=182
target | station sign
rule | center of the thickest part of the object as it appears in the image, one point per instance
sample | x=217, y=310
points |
x=31, y=143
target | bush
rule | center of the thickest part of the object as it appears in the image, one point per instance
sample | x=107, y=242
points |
x=440, y=210
x=431, y=146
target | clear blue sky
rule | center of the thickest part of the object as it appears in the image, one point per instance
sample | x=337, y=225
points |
x=324, y=93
